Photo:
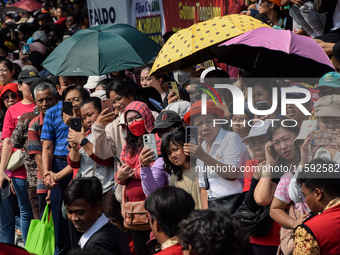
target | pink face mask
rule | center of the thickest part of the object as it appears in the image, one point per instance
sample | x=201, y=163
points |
x=137, y=128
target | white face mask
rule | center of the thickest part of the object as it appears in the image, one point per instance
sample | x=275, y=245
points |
x=181, y=76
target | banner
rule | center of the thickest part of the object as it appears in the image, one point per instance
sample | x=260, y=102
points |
x=108, y=12
x=148, y=17
x=182, y=14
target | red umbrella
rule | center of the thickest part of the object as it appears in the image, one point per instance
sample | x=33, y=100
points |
x=29, y=5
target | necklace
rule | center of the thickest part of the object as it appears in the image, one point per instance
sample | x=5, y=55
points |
x=170, y=242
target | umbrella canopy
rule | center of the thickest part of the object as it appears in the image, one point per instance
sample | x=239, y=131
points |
x=101, y=50
x=266, y=52
x=11, y=9
x=28, y=5
x=192, y=45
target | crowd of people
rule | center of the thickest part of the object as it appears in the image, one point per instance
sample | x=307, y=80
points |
x=127, y=165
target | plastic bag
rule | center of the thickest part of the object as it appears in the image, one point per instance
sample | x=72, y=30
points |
x=40, y=238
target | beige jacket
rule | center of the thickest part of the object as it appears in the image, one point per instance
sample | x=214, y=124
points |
x=107, y=142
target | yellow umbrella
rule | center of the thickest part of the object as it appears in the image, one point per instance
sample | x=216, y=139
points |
x=192, y=45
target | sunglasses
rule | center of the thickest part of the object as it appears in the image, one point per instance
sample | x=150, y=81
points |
x=6, y=98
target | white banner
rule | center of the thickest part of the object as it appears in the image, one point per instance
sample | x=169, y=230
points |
x=148, y=17
x=108, y=11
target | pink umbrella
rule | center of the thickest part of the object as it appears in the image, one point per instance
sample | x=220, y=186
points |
x=29, y=5
x=267, y=52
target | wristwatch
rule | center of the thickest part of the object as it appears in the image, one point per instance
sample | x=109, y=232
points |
x=84, y=142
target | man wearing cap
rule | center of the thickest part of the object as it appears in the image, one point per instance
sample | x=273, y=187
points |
x=153, y=178
x=292, y=111
x=45, y=95
x=329, y=84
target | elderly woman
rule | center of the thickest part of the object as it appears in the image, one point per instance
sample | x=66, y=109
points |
x=221, y=149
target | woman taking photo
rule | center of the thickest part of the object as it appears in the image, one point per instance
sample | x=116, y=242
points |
x=81, y=156
x=7, y=72
x=220, y=148
x=109, y=133
x=139, y=121
x=257, y=139
x=17, y=177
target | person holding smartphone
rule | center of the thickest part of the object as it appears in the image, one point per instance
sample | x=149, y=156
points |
x=139, y=121
x=81, y=155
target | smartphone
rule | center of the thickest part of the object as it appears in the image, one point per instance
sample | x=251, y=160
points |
x=76, y=124
x=173, y=87
x=149, y=141
x=6, y=189
x=263, y=105
x=324, y=138
x=107, y=103
x=68, y=108
x=191, y=135
x=118, y=160
x=25, y=49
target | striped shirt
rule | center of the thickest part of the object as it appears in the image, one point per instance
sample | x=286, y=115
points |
x=56, y=130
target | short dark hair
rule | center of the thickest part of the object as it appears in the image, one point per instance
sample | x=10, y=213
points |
x=169, y=205
x=95, y=101
x=327, y=181
x=212, y=232
x=82, y=91
x=88, y=188
x=175, y=137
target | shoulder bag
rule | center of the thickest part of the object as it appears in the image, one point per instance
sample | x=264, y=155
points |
x=255, y=223
x=134, y=214
x=228, y=203
x=15, y=161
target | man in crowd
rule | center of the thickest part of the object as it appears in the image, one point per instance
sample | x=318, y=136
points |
x=45, y=95
x=83, y=201
x=319, y=234
x=329, y=84
x=167, y=206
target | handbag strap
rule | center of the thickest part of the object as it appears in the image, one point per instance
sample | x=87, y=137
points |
x=205, y=175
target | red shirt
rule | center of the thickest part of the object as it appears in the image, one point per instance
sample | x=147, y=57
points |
x=11, y=119
x=61, y=22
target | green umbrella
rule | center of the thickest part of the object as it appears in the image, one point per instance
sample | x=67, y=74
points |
x=101, y=50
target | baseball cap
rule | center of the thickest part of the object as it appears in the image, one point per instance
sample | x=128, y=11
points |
x=307, y=126
x=181, y=108
x=28, y=76
x=30, y=68
x=166, y=119
x=40, y=35
x=295, y=94
x=260, y=128
x=277, y=2
x=330, y=79
x=92, y=81
x=328, y=106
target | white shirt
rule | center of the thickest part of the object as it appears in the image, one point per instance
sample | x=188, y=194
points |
x=101, y=221
x=336, y=16
x=229, y=150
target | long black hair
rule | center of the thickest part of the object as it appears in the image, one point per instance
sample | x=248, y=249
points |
x=95, y=101
x=134, y=143
x=170, y=168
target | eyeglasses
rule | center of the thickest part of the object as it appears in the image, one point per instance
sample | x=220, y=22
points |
x=129, y=121
x=7, y=97
x=327, y=122
x=302, y=198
